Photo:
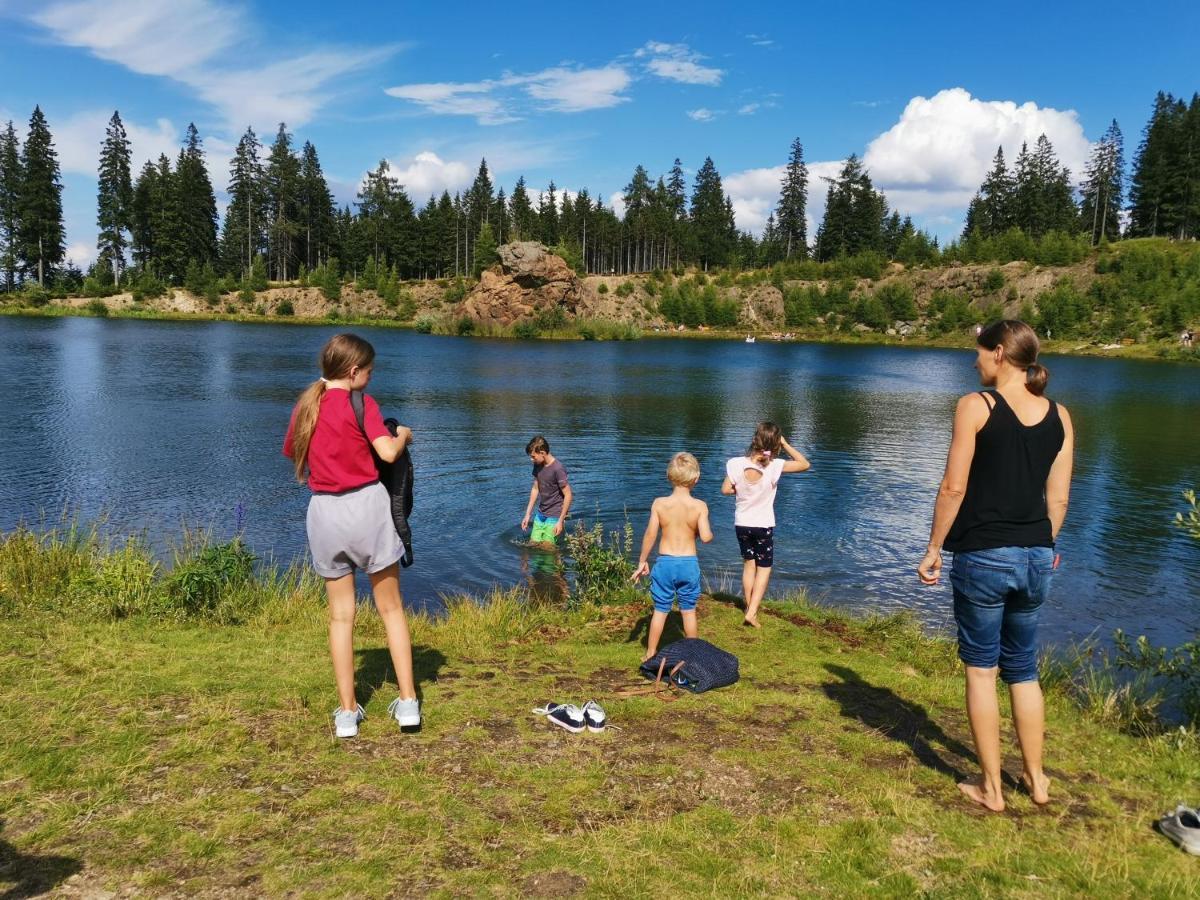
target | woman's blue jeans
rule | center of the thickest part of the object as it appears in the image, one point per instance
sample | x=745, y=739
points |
x=998, y=595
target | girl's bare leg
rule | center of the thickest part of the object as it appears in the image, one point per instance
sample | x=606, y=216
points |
x=749, y=573
x=386, y=587
x=762, y=576
x=340, y=592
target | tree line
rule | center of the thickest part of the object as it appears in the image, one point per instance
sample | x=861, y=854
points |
x=282, y=218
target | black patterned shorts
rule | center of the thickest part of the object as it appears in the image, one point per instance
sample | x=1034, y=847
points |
x=757, y=544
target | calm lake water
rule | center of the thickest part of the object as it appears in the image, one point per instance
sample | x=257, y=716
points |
x=159, y=424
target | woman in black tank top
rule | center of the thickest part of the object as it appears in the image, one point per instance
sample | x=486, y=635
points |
x=1000, y=506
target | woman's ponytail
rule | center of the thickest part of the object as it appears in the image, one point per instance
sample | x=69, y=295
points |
x=339, y=357
x=1021, y=348
x=1036, y=378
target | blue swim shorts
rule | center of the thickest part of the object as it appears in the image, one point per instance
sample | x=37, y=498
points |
x=675, y=576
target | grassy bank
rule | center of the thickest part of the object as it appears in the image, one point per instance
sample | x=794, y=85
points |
x=152, y=749
x=604, y=330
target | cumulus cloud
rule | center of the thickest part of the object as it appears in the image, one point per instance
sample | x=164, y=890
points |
x=938, y=152
x=427, y=174
x=82, y=255
x=929, y=163
x=678, y=62
x=193, y=42
x=703, y=114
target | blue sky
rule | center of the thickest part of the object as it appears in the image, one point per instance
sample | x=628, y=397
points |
x=583, y=93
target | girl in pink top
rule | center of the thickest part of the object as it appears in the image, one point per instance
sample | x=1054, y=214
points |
x=753, y=480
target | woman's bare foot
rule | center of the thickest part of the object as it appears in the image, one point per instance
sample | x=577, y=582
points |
x=975, y=791
x=751, y=622
x=650, y=654
x=1039, y=788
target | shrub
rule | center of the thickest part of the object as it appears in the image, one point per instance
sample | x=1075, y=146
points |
x=258, y=274
x=601, y=563
x=147, y=286
x=424, y=325
x=994, y=280
x=197, y=583
x=97, y=308
x=456, y=290
x=897, y=300
x=525, y=330
x=34, y=295
x=260, y=310
x=571, y=254
x=625, y=288
x=550, y=319
x=602, y=289
x=285, y=308
x=464, y=326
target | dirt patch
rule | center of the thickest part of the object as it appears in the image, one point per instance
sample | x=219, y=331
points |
x=554, y=884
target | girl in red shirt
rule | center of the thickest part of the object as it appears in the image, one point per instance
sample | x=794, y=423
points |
x=349, y=517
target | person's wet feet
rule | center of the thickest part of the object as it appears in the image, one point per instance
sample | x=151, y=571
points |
x=1038, y=788
x=974, y=791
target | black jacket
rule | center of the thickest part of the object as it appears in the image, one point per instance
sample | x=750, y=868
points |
x=396, y=478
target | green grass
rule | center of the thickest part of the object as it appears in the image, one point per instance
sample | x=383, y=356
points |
x=164, y=752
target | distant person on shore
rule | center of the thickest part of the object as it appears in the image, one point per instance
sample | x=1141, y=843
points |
x=550, y=492
x=1186, y=338
x=1000, y=506
x=349, y=517
x=753, y=480
x=681, y=519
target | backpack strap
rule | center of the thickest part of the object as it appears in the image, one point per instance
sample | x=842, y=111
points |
x=356, y=403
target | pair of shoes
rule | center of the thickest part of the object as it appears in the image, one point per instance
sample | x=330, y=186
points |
x=570, y=717
x=1182, y=827
x=407, y=713
x=345, y=721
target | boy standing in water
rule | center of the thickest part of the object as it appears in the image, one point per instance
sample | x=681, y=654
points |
x=550, y=492
x=682, y=518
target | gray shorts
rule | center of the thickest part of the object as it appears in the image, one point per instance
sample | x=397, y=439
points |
x=352, y=531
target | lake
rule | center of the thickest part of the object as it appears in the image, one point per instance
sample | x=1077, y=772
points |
x=157, y=425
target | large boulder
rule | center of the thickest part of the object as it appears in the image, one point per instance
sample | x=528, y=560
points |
x=529, y=280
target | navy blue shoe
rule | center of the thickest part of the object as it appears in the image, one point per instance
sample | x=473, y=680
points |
x=565, y=715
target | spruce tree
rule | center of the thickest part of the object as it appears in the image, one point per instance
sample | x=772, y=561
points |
x=637, y=197
x=10, y=195
x=854, y=214
x=522, y=214
x=170, y=243
x=548, y=215
x=677, y=203
x=142, y=215
x=375, y=200
x=1103, y=187
x=316, y=209
x=499, y=217
x=40, y=237
x=114, y=197
x=710, y=217
x=196, y=205
x=793, y=201
x=241, y=237
x=991, y=210
x=281, y=182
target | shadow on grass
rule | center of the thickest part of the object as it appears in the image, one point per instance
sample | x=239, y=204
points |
x=373, y=669
x=30, y=876
x=672, y=630
x=882, y=709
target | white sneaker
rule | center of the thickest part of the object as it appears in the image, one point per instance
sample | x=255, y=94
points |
x=345, y=721
x=593, y=715
x=407, y=713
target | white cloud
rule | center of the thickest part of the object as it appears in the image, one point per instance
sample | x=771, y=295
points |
x=427, y=173
x=576, y=90
x=700, y=115
x=78, y=138
x=678, y=62
x=929, y=164
x=760, y=40
x=194, y=42
x=82, y=255
x=941, y=148
x=496, y=101
x=616, y=202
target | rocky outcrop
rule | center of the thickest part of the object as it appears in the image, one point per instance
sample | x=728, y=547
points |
x=529, y=280
x=763, y=308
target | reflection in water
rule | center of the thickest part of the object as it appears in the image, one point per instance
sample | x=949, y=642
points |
x=159, y=424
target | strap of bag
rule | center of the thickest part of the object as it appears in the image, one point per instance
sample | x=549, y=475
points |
x=356, y=403
x=663, y=690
